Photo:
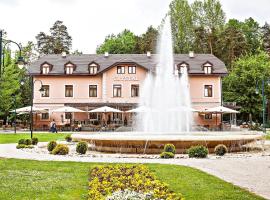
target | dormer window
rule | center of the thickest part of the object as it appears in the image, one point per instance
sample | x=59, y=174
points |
x=182, y=67
x=208, y=68
x=45, y=68
x=93, y=68
x=69, y=68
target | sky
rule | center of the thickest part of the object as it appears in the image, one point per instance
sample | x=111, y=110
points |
x=90, y=21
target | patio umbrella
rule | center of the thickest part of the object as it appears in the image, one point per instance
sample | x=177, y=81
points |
x=68, y=109
x=183, y=108
x=27, y=109
x=138, y=109
x=105, y=109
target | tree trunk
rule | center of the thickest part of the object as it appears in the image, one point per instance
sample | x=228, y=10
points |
x=250, y=117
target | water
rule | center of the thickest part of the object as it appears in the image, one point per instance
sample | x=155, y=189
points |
x=165, y=95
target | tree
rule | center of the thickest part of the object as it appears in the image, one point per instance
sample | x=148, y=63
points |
x=266, y=37
x=240, y=85
x=208, y=19
x=231, y=44
x=147, y=41
x=182, y=25
x=124, y=42
x=56, y=42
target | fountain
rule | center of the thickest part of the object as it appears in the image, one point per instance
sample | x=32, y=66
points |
x=167, y=117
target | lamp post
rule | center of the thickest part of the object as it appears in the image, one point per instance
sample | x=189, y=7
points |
x=263, y=100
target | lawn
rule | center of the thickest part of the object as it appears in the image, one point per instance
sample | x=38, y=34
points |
x=42, y=137
x=268, y=136
x=24, y=179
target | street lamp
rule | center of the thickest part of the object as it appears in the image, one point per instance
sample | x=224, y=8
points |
x=263, y=99
x=3, y=43
x=41, y=90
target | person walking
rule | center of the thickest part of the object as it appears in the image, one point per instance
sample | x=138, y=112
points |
x=53, y=128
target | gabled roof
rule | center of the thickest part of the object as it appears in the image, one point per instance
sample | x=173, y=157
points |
x=82, y=62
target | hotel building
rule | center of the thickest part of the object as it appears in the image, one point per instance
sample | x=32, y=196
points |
x=90, y=81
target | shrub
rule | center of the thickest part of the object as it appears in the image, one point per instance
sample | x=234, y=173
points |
x=34, y=141
x=107, y=179
x=197, y=152
x=68, y=138
x=128, y=194
x=81, y=147
x=220, y=150
x=28, y=142
x=22, y=146
x=51, y=145
x=169, y=148
x=60, y=149
x=21, y=141
x=165, y=154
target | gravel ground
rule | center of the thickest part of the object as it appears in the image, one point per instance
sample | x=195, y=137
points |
x=250, y=170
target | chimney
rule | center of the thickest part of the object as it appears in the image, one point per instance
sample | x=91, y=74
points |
x=64, y=54
x=191, y=54
x=148, y=54
x=106, y=54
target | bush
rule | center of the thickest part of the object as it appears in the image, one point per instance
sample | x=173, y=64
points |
x=22, y=146
x=197, y=152
x=60, y=149
x=220, y=150
x=21, y=141
x=28, y=142
x=81, y=147
x=68, y=138
x=165, y=154
x=34, y=141
x=169, y=148
x=107, y=179
x=51, y=145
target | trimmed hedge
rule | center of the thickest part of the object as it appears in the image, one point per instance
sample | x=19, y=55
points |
x=28, y=142
x=24, y=146
x=167, y=155
x=60, y=149
x=220, y=150
x=197, y=152
x=34, y=141
x=21, y=141
x=81, y=147
x=107, y=179
x=68, y=138
x=51, y=145
x=169, y=148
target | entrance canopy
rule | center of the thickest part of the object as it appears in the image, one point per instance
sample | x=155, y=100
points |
x=67, y=109
x=27, y=109
x=105, y=109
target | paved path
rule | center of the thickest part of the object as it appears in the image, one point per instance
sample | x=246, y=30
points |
x=252, y=172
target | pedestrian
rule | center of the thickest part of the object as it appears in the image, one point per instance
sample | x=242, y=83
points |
x=53, y=128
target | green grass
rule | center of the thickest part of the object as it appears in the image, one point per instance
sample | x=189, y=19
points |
x=25, y=179
x=42, y=137
x=268, y=136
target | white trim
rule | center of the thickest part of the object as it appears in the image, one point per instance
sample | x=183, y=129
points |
x=97, y=90
x=121, y=90
x=73, y=91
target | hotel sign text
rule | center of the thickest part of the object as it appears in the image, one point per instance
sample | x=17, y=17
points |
x=125, y=78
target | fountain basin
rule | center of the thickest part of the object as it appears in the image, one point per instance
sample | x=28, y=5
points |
x=139, y=142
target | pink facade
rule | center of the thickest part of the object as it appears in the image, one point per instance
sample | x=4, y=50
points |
x=105, y=83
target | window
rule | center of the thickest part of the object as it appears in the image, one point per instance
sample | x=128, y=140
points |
x=208, y=116
x=45, y=69
x=68, y=115
x=182, y=67
x=93, y=68
x=132, y=69
x=134, y=90
x=45, y=115
x=69, y=91
x=92, y=90
x=69, y=70
x=208, y=91
x=117, y=90
x=207, y=70
x=120, y=69
x=46, y=89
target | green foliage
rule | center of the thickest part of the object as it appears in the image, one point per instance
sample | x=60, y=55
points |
x=57, y=42
x=105, y=180
x=122, y=43
x=147, y=41
x=21, y=141
x=266, y=37
x=165, y=154
x=68, y=138
x=81, y=147
x=240, y=85
x=220, y=150
x=129, y=195
x=28, y=142
x=197, y=152
x=51, y=145
x=34, y=141
x=60, y=149
x=169, y=148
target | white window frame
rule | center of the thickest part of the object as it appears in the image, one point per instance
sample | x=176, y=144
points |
x=204, y=91
x=72, y=90
x=122, y=71
x=121, y=87
x=89, y=90
x=132, y=69
x=131, y=90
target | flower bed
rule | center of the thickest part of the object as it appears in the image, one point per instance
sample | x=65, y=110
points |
x=105, y=180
